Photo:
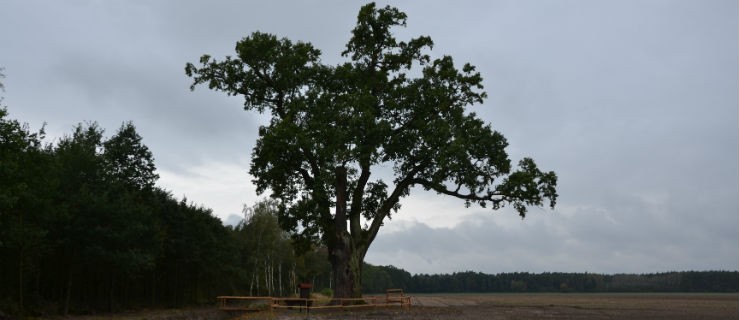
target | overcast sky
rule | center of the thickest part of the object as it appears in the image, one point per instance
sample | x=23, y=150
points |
x=632, y=103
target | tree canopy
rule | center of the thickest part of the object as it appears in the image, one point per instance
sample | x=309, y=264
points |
x=84, y=229
x=333, y=128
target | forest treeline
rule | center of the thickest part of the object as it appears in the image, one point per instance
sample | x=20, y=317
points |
x=84, y=228
x=379, y=278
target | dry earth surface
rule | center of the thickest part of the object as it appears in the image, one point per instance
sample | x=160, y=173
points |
x=541, y=306
x=491, y=306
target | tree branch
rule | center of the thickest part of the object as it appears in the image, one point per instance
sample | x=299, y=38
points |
x=357, y=199
x=494, y=197
x=311, y=161
x=390, y=202
x=306, y=176
x=340, y=215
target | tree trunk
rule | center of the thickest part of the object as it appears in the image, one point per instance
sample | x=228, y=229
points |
x=279, y=275
x=346, y=258
x=20, y=280
x=110, y=293
x=68, y=292
x=346, y=267
x=153, y=287
x=20, y=266
x=251, y=283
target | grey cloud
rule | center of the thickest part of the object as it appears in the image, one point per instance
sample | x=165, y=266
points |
x=233, y=220
x=636, y=237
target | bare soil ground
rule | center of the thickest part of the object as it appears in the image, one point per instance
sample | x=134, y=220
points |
x=540, y=306
x=490, y=306
x=199, y=313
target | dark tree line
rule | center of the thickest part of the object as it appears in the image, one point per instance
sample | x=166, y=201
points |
x=379, y=278
x=84, y=228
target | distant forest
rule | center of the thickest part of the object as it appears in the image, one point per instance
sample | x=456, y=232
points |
x=85, y=229
x=377, y=278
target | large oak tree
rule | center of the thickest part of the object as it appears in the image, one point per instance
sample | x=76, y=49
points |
x=345, y=143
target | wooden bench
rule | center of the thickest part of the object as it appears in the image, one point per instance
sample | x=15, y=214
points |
x=395, y=296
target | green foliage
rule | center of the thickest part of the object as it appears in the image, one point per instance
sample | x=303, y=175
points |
x=269, y=260
x=327, y=292
x=313, y=266
x=389, y=106
x=127, y=161
x=375, y=279
x=268, y=253
x=22, y=204
x=83, y=227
